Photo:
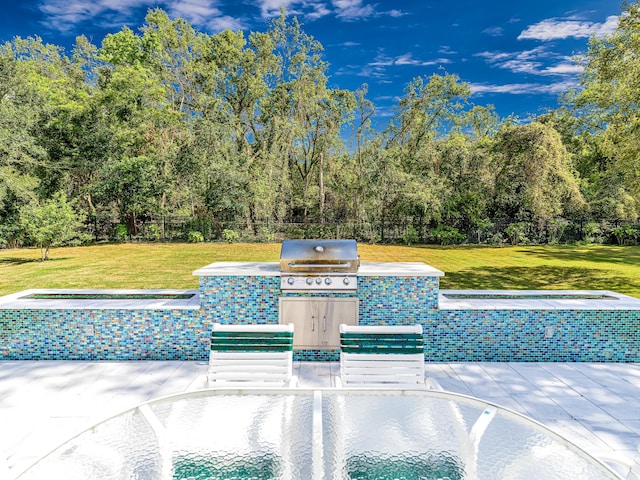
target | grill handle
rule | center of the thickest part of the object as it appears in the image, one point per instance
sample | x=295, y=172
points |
x=319, y=265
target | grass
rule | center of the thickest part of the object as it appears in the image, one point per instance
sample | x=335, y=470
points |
x=593, y=267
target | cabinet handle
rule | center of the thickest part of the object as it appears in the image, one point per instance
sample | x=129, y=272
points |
x=313, y=323
x=324, y=318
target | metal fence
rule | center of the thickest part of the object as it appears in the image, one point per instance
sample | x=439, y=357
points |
x=393, y=230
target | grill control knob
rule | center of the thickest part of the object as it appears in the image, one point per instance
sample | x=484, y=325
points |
x=327, y=281
x=346, y=281
x=318, y=280
x=290, y=280
x=309, y=280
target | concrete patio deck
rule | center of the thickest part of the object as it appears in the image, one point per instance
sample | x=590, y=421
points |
x=44, y=403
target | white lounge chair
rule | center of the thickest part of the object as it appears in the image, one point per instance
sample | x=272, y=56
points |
x=251, y=355
x=381, y=356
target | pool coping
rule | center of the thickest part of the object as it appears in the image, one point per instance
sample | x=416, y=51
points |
x=16, y=301
x=618, y=302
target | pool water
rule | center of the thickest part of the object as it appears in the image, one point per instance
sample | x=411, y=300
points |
x=528, y=296
x=402, y=467
x=264, y=467
x=359, y=467
x=109, y=296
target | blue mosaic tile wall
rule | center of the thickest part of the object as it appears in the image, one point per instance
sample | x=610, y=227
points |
x=240, y=299
x=397, y=300
x=519, y=336
x=383, y=300
x=450, y=335
x=103, y=335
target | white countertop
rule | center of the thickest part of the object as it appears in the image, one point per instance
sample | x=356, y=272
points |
x=367, y=269
x=251, y=269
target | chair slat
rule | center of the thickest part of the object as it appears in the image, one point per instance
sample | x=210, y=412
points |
x=382, y=356
x=251, y=355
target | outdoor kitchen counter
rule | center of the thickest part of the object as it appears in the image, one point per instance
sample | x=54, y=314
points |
x=367, y=269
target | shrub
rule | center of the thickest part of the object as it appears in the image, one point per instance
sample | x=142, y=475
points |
x=497, y=239
x=230, y=236
x=319, y=231
x=411, y=236
x=154, y=232
x=265, y=234
x=592, y=232
x=446, y=235
x=120, y=232
x=517, y=233
x=483, y=226
x=625, y=234
x=195, y=237
x=555, y=230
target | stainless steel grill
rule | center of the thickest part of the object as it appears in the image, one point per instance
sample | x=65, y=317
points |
x=326, y=265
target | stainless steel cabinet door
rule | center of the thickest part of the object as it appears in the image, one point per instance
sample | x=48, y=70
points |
x=316, y=320
x=333, y=312
x=303, y=314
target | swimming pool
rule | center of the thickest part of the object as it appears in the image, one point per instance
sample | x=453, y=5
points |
x=107, y=296
x=317, y=434
x=527, y=295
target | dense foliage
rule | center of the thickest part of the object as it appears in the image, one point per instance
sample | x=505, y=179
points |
x=228, y=129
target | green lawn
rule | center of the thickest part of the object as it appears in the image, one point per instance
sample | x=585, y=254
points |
x=170, y=265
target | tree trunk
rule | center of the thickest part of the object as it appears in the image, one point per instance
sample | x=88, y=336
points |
x=163, y=203
x=321, y=180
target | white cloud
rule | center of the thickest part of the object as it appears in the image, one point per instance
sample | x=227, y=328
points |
x=63, y=15
x=382, y=61
x=345, y=10
x=225, y=22
x=537, y=61
x=553, y=29
x=198, y=12
x=494, y=31
x=494, y=57
x=523, y=88
x=409, y=60
x=406, y=59
x=563, y=69
x=204, y=13
x=396, y=13
x=521, y=66
x=352, y=9
x=319, y=10
x=271, y=8
x=446, y=50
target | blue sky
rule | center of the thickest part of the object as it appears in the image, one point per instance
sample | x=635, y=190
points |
x=516, y=55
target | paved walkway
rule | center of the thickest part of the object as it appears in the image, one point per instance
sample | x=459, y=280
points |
x=44, y=403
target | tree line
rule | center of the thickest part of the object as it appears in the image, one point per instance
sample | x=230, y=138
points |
x=228, y=129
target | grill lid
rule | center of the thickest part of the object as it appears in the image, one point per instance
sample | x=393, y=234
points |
x=322, y=256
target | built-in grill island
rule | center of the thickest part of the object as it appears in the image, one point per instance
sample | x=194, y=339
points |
x=317, y=285
x=318, y=266
x=459, y=326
